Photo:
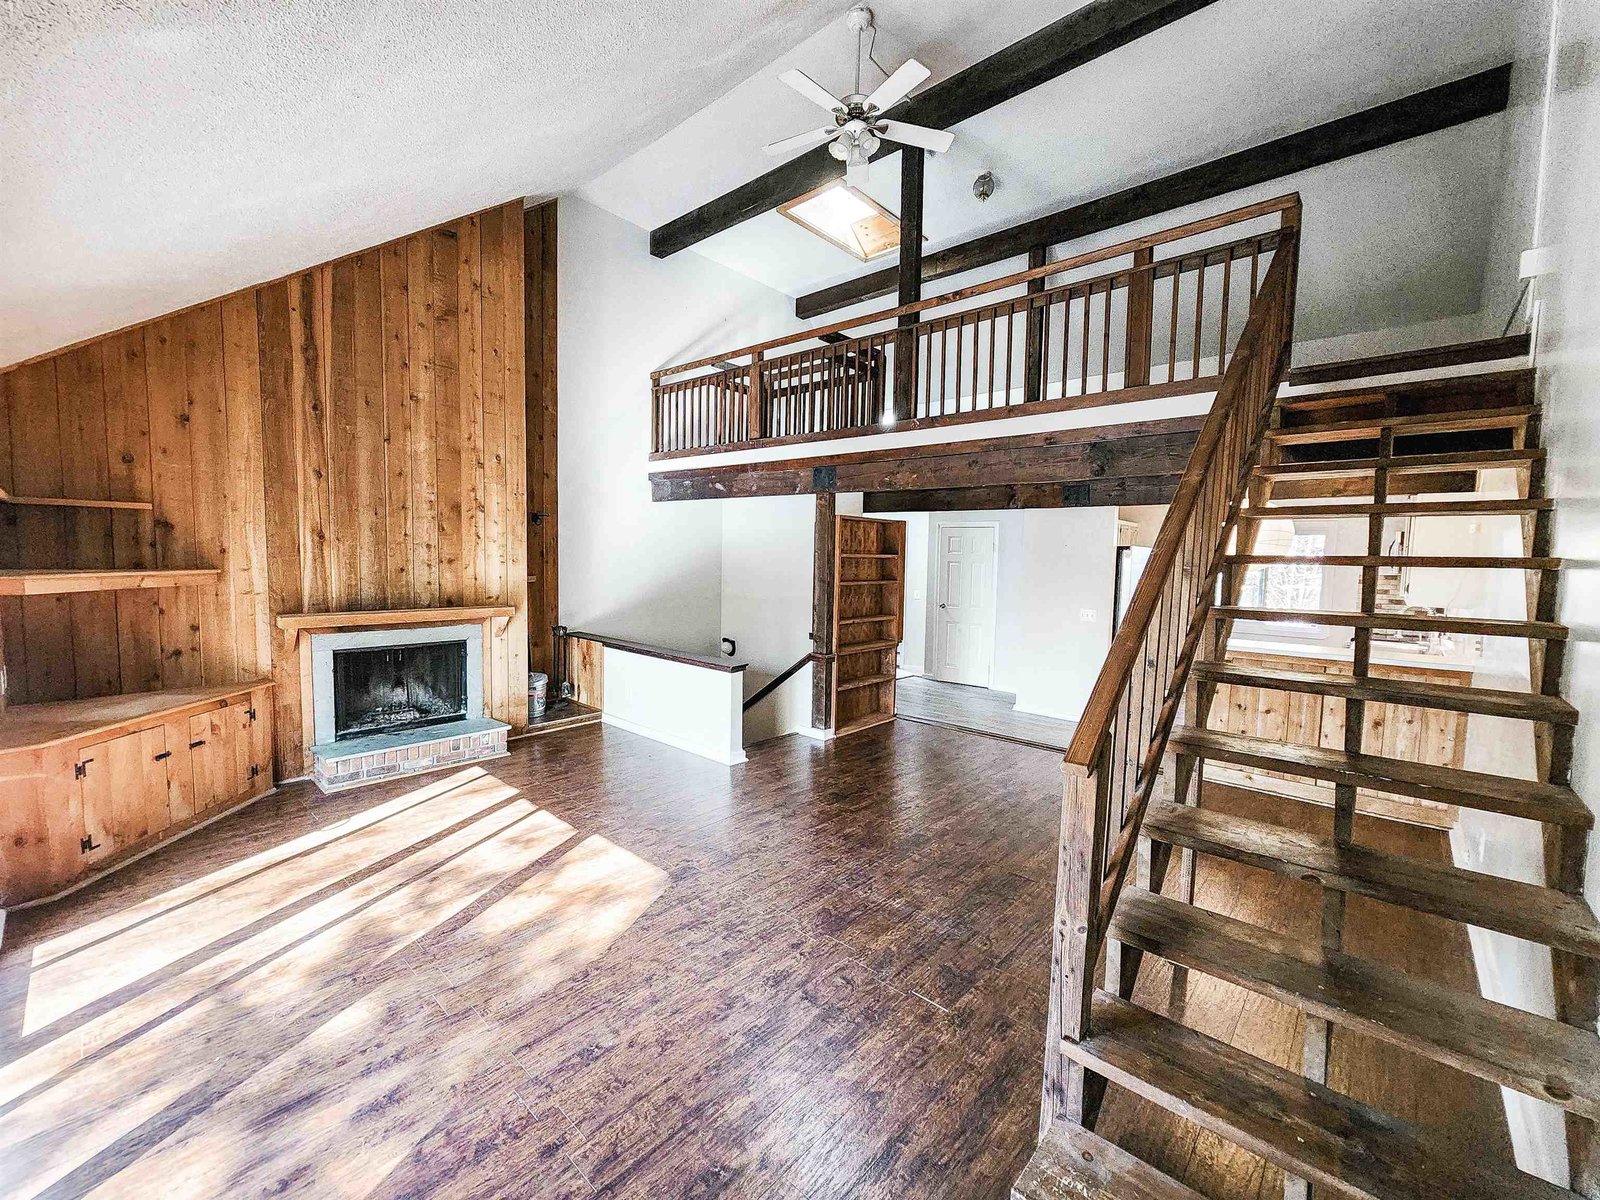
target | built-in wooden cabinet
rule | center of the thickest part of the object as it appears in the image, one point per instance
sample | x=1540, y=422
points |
x=86, y=784
x=868, y=614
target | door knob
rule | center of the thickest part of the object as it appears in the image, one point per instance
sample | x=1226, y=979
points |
x=942, y=606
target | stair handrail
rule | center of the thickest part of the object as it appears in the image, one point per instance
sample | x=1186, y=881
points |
x=781, y=678
x=1114, y=762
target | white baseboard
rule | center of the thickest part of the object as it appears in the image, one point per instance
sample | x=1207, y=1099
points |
x=715, y=754
x=1047, y=712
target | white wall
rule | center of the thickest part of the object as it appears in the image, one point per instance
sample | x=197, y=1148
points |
x=1052, y=566
x=1069, y=574
x=1549, y=201
x=690, y=707
x=914, y=638
x=766, y=603
x=647, y=571
x=1568, y=356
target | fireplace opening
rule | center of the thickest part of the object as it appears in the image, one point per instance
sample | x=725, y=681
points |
x=390, y=688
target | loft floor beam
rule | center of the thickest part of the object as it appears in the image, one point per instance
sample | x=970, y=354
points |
x=1077, y=38
x=1442, y=107
x=1094, y=457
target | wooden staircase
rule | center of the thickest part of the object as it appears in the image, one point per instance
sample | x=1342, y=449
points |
x=1134, y=819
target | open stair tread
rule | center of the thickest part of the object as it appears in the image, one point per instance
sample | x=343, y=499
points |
x=1548, y=802
x=1481, y=561
x=1482, y=626
x=1528, y=706
x=1541, y=1057
x=1523, y=910
x=1330, y=1140
x=1405, y=508
x=1411, y=424
x=1072, y=1163
x=1465, y=460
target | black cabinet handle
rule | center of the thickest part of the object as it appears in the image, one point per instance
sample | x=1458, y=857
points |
x=197, y=745
x=165, y=754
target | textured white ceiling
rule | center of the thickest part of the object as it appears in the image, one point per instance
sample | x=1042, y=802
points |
x=155, y=153
x=1237, y=73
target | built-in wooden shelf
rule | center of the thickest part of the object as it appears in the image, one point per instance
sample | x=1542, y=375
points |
x=865, y=647
x=866, y=722
x=866, y=620
x=868, y=681
x=70, y=502
x=23, y=582
x=869, y=556
x=32, y=726
x=294, y=624
x=869, y=583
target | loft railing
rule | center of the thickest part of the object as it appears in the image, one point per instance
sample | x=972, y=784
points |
x=1152, y=316
x=1117, y=756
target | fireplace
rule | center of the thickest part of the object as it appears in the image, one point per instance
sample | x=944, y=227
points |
x=392, y=700
x=386, y=689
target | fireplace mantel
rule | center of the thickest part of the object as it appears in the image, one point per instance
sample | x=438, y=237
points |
x=294, y=624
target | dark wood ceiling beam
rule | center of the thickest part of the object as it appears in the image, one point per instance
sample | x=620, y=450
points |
x=1442, y=107
x=1077, y=38
x=1137, y=450
x=1095, y=493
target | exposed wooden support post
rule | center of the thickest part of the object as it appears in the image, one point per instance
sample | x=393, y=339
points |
x=1141, y=315
x=753, y=425
x=539, y=316
x=822, y=613
x=913, y=169
x=1033, y=344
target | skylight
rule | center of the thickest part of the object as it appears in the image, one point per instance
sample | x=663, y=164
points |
x=850, y=220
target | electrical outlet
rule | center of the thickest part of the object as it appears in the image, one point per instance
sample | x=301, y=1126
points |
x=1086, y=614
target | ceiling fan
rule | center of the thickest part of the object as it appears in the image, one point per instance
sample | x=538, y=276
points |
x=858, y=121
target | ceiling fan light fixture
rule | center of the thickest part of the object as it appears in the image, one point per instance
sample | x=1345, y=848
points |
x=846, y=218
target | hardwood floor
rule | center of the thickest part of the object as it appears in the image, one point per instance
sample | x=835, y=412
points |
x=982, y=710
x=601, y=967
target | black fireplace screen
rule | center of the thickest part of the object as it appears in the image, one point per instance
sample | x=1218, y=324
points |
x=398, y=687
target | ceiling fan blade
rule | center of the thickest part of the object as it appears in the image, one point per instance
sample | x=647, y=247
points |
x=898, y=86
x=937, y=140
x=858, y=174
x=802, y=141
x=812, y=90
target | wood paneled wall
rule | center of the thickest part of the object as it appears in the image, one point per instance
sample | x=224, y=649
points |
x=352, y=437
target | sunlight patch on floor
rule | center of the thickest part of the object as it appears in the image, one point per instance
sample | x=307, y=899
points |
x=373, y=940
x=235, y=903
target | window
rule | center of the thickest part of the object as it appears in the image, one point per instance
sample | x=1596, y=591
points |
x=1294, y=586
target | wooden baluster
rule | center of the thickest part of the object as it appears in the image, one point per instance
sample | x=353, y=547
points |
x=1105, y=347
x=1222, y=333
x=1011, y=349
x=1199, y=314
x=1083, y=383
x=1172, y=345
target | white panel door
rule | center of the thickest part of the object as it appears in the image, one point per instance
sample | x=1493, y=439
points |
x=964, y=614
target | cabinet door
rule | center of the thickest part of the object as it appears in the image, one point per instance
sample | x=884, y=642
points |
x=180, y=770
x=110, y=784
x=206, y=752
